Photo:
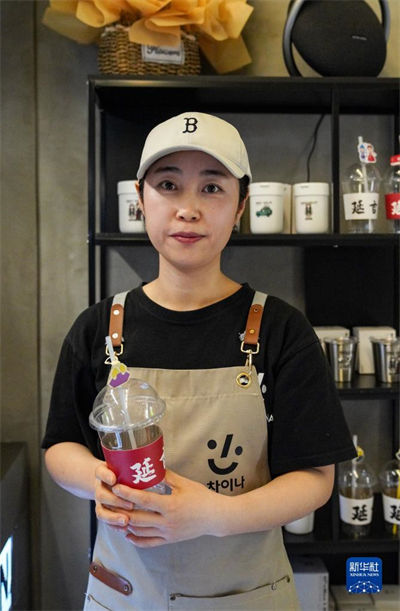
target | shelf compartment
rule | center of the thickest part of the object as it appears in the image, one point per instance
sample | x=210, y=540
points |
x=366, y=387
x=321, y=539
x=360, y=95
x=334, y=550
x=116, y=102
x=281, y=239
x=308, y=544
x=365, y=291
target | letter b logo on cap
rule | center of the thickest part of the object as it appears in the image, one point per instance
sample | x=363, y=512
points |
x=190, y=126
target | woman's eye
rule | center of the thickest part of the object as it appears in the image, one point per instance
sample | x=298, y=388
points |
x=211, y=188
x=167, y=185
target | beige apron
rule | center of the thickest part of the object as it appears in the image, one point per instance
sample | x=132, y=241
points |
x=215, y=432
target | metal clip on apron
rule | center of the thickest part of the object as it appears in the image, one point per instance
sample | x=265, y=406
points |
x=215, y=432
x=251, y=336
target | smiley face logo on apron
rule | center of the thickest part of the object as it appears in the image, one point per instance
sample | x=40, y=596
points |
x=212, y=444
x=226, y=484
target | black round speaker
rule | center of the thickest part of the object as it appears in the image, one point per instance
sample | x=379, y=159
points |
x=336, y=37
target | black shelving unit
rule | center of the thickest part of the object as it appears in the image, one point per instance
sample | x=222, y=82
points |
x=115, y=103
x=272, y=239
x=349, y=279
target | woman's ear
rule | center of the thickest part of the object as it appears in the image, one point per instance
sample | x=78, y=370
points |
x=139, y=194
x=241, y=208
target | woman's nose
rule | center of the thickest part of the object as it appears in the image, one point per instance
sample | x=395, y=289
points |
x=188, y=212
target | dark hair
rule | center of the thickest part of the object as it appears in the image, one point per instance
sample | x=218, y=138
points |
x=141, y=187
x=243, y=187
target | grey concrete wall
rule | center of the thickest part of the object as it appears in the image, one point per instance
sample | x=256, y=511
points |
x=20, y=408
x=44, y=254
x=62, y=69
x=44, y=268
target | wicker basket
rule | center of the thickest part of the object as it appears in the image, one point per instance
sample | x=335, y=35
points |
x=117, y=55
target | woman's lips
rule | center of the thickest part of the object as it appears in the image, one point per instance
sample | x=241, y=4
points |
x=187, y=237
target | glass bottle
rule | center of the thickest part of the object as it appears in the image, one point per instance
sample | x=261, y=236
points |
x=356, y=495
x=389, y=479
x=361, y=191
x=392, y=193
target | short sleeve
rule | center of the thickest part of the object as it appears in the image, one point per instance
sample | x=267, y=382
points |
x=309, y=427
x=72, y=398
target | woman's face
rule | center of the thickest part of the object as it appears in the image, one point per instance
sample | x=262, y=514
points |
x=190, y=202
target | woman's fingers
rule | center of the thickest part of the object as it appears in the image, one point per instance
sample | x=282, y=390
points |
x=104, y=474
x=110, y=516
x=145, y=542
x=109, y=508
x=151, y=501
x=138, y=531
x=105, y=496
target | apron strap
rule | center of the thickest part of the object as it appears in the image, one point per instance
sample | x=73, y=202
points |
x=117, y=319
x=254, y=318
x=252, y=326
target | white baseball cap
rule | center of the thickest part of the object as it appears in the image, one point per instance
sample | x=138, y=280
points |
x=197, y=131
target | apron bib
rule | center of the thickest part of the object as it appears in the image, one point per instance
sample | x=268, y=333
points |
x=215, y=432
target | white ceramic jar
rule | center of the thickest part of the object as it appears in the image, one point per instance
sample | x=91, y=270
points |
x=266, y=207
x=302, y=526
x=311, y=207
x=287, y=208
x=130, y=216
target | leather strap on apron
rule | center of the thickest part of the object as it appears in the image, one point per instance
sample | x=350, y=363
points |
x=117, y=319
x=254, y=318
x=251, y=335
x=250, y=344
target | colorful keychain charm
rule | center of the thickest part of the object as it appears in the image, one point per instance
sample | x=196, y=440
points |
x=119, y=373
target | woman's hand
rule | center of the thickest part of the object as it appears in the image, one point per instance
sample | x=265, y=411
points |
x=110, y=508
x=191, y=510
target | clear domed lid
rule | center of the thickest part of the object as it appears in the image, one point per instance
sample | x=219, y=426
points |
x=356, y=473
x=389, y=476
x=132, y=405
x=358, y=173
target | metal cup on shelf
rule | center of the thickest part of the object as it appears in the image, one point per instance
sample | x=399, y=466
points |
x=386, y=353
x=341, y=353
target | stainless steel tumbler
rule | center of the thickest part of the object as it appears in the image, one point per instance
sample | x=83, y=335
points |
x=386, y=359
x=341, y=353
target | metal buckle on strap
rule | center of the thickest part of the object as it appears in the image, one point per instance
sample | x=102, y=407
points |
x=108, y=360
x=249, y=350
x=243, y=379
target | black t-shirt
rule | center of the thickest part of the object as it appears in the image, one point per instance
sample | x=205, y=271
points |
x=306, y=426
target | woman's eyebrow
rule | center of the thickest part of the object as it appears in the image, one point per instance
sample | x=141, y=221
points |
x=213, y=173
x=172, y=168
x=167, y=168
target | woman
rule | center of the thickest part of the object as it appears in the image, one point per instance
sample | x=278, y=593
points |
x=215, y=542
